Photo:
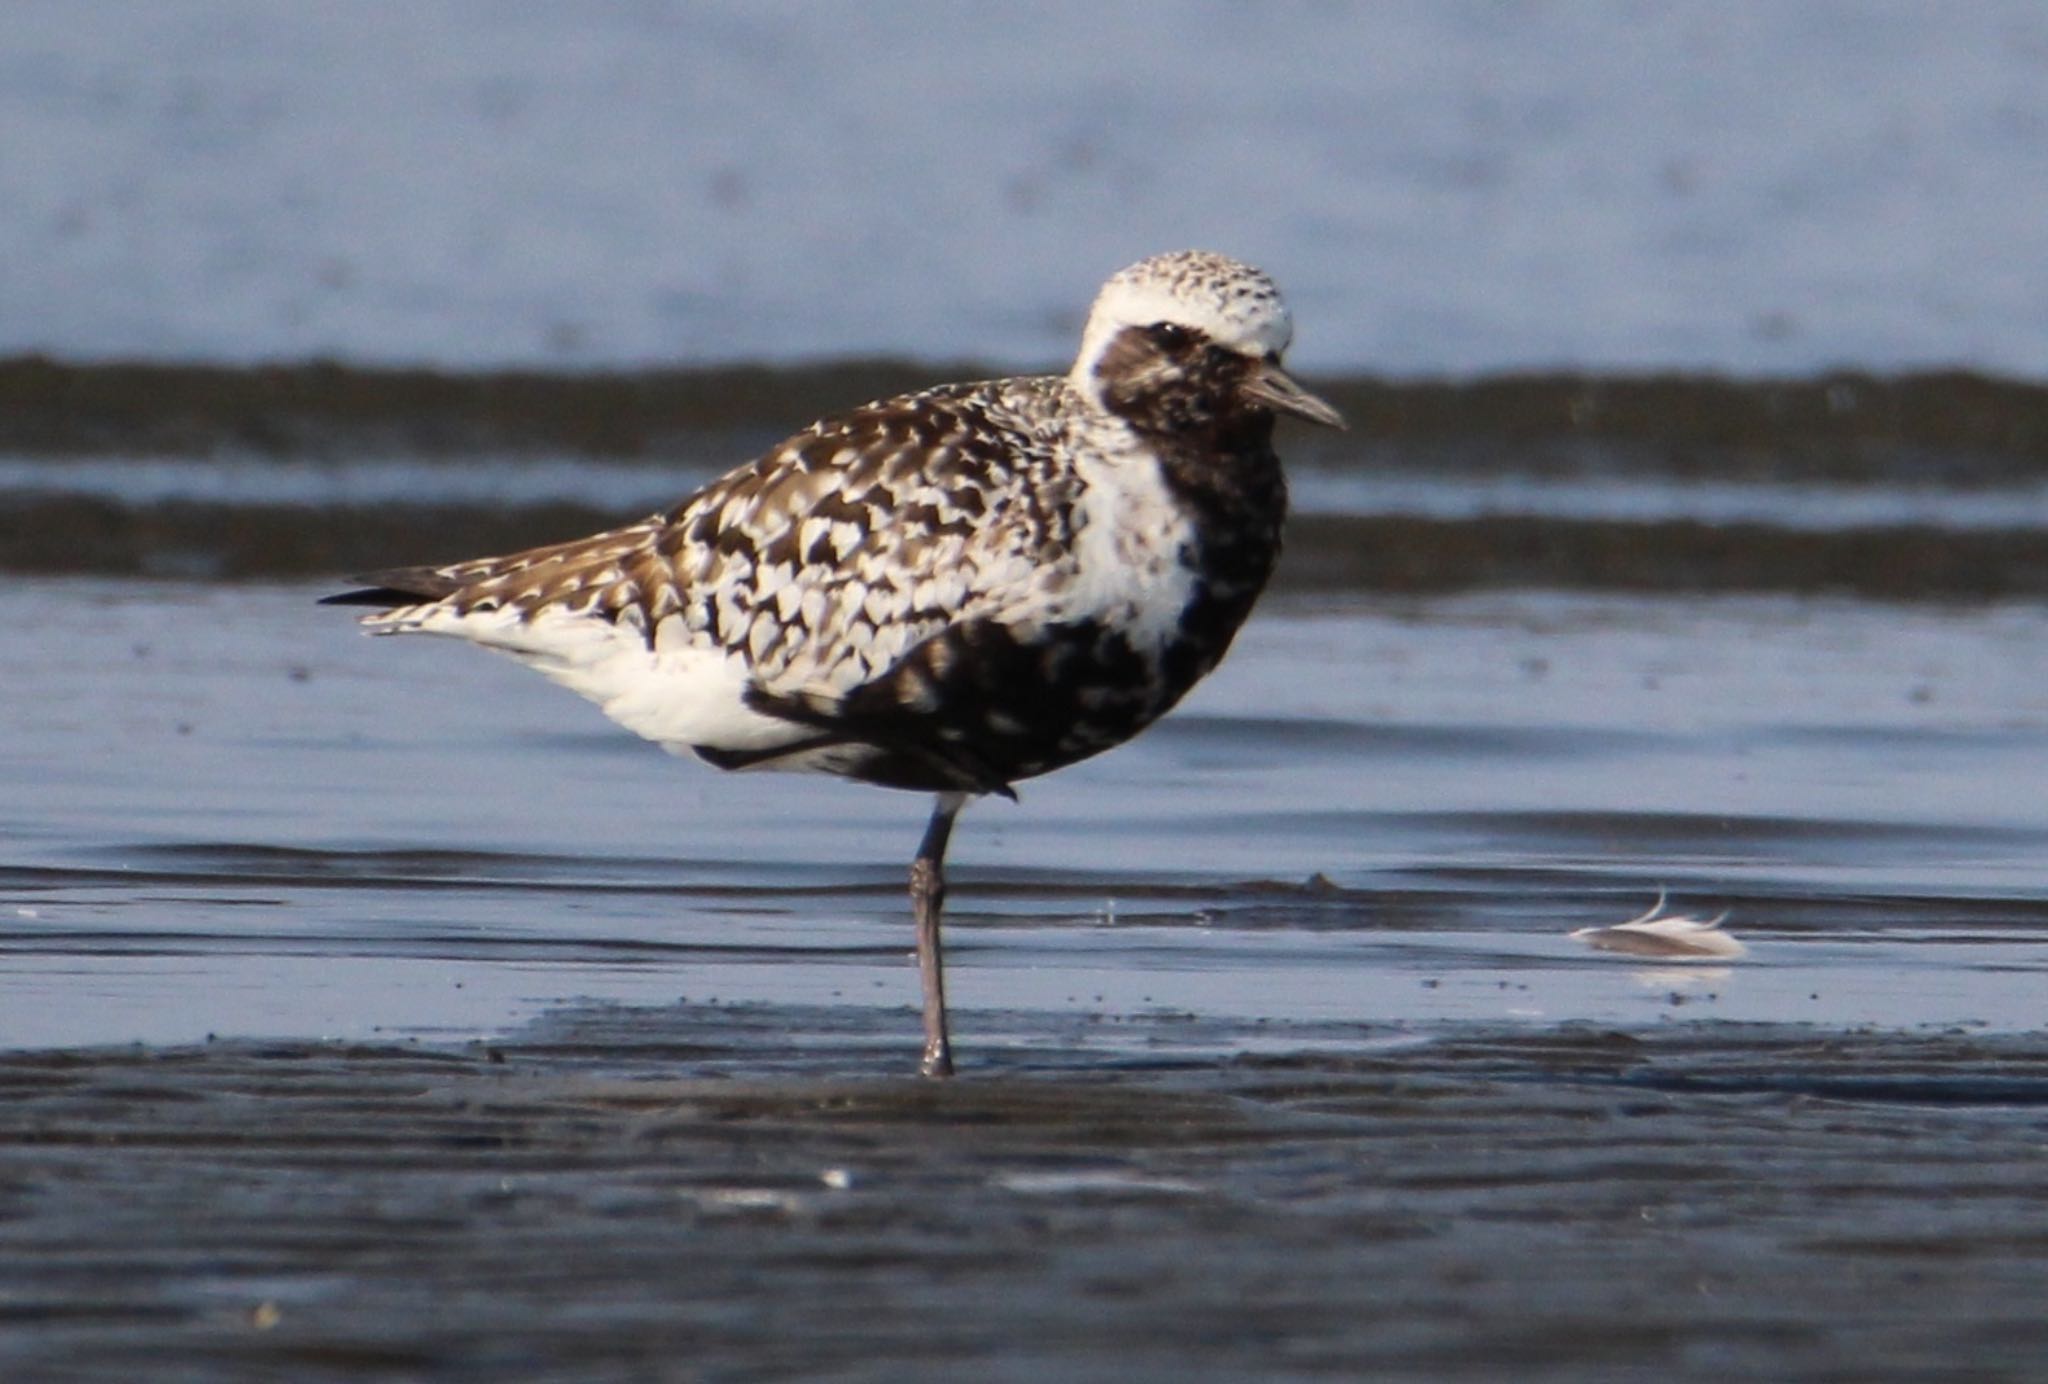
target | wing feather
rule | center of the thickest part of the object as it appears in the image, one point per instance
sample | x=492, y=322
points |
x=820, y=564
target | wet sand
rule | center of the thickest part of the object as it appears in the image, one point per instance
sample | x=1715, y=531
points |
x=763, y=1194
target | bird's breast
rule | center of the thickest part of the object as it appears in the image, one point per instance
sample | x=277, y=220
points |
x=1171, y=552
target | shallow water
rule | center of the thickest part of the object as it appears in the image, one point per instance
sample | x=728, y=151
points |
x=231, y=815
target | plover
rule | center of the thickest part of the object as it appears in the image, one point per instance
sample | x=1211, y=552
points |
x=948, y=591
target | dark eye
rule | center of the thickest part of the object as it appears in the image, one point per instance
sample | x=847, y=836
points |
x=1169, y=336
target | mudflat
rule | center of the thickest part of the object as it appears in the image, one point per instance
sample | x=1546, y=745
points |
x=762, y=1192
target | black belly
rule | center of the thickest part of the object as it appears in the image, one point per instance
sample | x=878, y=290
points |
x=983, y=705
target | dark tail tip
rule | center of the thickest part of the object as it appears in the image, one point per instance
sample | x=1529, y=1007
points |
x=385, y=596
x=399, y=587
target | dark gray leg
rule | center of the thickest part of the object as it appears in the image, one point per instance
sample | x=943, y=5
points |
x=927, y=898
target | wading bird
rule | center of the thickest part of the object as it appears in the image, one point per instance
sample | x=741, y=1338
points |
x=948, y=591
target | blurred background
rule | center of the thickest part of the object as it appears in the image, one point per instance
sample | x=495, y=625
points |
x=1443, y=186
x=1627, y=293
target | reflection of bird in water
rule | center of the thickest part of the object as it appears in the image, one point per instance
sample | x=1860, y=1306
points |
x=948, y=591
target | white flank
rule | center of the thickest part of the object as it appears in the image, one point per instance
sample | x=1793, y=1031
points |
x=679, y=698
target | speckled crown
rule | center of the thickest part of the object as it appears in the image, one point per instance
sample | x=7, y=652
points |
x=1236, y=305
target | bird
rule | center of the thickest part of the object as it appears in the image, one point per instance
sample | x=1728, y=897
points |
x=948, y=591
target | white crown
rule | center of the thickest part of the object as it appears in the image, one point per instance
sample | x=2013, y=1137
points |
x=1235, y=305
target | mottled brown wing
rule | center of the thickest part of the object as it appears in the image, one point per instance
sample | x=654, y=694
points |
x=824, y=560
x=582, y=575
x=832, y=556
x=525, y=580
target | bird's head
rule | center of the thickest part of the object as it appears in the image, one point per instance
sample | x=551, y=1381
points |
x=1191, y=341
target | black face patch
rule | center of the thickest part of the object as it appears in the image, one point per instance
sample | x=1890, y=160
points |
x=1171, y=380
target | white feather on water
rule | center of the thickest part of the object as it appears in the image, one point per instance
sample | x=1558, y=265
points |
x=1665, y=936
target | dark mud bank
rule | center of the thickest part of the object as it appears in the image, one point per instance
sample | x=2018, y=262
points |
x=1952, y=426
x=1840, y=485
x=603, y=1198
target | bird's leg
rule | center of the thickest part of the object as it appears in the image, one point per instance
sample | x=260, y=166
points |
x=927, y=898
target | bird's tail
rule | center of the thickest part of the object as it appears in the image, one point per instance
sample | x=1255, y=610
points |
x=399, y=586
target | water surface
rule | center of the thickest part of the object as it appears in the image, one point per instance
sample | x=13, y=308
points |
x=232, y=815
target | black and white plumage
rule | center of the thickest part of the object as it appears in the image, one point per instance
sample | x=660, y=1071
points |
x=948, y=591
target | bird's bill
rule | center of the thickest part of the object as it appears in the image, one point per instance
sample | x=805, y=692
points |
x=1271, y=387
